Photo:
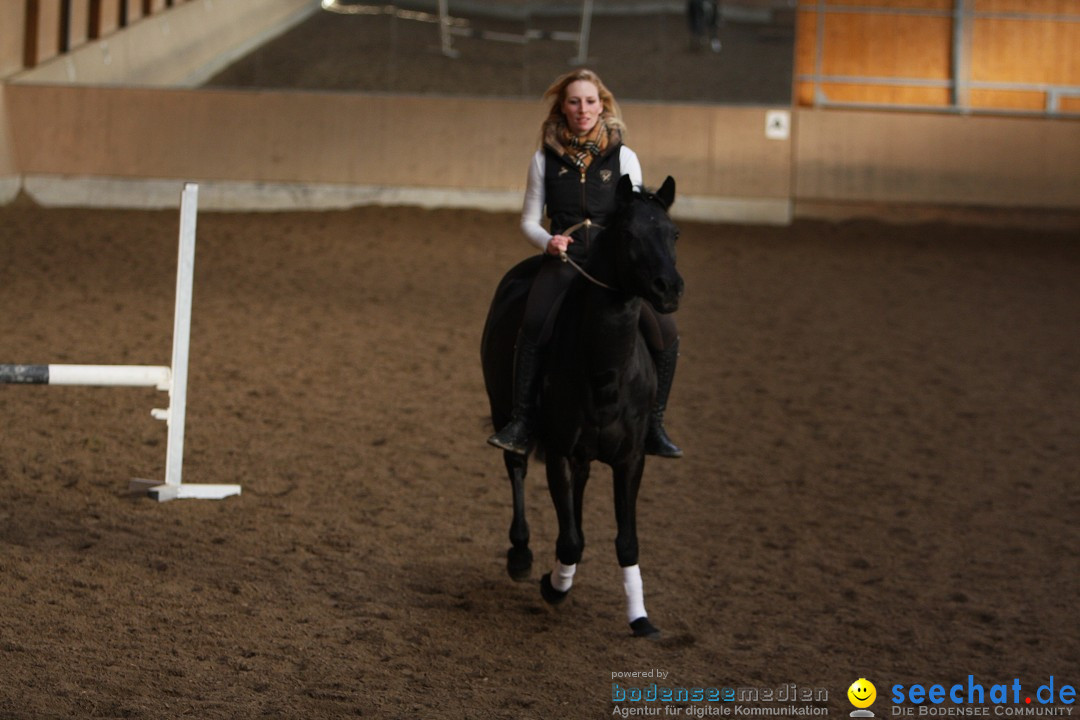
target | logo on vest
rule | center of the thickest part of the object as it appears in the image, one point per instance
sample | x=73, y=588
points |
x=605, y=175
x=563, y=171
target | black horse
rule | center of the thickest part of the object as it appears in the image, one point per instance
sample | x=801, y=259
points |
x=598, y=384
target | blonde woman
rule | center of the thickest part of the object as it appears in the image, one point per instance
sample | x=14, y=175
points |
x=573, y=177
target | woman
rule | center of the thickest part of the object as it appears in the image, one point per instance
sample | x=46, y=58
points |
x=574, y=175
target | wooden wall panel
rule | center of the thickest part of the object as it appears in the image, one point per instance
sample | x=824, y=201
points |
x=806, y=27
x=887, y=94
x=838, y=156
x=135, y=10
x=80, y=23
x=48, y=30
x=937, y=159
x=171, y=47
x=103, y=16
x=1010, y=43
x=109, y=17
x=883, y=45
x=312, y=138
x=12, y=22
x=1049, y=7
x=8, y=165
x=880, y=45
x=1026, y=51
x=943, y=5
x=723, y=151
x=1008, y=99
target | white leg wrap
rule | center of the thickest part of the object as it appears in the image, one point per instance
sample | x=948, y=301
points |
x=562, y=577
x=635, y=596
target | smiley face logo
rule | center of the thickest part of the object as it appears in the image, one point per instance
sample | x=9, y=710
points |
x=862, y=693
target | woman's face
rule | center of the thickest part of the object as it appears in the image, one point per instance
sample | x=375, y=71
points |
x=581, y=106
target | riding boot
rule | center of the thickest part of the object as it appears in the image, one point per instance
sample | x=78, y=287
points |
x=657, y=441
x=517, y=433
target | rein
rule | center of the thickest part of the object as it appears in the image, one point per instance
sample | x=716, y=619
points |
x=586, y=223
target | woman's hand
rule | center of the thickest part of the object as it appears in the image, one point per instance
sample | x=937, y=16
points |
x=558, y=244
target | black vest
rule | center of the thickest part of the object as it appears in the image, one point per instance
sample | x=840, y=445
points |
x=573, y=196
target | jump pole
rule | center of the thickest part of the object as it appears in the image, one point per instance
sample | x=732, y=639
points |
x=173, y=378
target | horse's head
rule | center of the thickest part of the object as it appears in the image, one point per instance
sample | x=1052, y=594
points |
x=645, y=263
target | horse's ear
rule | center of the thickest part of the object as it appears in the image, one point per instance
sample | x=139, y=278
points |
x=624, y=191
x=666, y=193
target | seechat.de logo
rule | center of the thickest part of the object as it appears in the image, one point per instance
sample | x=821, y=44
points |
x=862, y=695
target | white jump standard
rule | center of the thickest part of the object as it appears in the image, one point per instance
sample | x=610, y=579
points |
x=172, y=379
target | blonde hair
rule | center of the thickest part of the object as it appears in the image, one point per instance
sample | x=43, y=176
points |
x=557, y=93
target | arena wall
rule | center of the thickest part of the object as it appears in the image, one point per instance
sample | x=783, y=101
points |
x=107, y=124
x=176, y=43
x=9, y=171
x=278, y=149
x=848, y=156
x=11, y=61
x=329, y=149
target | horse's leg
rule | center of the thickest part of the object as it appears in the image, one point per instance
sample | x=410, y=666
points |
x=567, y=486
x=627, y=478
x=519, y=556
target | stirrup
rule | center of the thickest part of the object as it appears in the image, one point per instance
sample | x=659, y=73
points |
x=658, y=443
x=513, y=438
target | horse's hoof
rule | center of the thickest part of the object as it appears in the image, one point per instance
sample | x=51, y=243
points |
x=519, y=563
x=643, y=628
x=549, y=593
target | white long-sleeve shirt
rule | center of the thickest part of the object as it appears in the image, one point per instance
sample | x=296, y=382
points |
x=532, y=211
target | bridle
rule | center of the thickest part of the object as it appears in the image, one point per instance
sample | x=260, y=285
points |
x=566, y=258
x=586, y=223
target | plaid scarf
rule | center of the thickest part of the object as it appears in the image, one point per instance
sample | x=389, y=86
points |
x=580, y=150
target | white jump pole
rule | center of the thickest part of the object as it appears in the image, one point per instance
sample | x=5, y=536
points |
x=159, y=377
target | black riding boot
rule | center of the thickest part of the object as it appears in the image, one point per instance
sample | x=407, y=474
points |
x=517, y=433
x=657, y=441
